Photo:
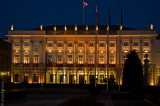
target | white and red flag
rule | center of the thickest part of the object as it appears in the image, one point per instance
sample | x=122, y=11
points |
x=85, y=4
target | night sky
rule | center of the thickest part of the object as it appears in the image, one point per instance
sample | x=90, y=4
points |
x=30, y=14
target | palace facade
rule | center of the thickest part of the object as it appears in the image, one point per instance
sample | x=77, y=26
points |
x=65, y=54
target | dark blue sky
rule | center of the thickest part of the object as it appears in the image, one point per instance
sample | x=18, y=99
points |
x=29, y=14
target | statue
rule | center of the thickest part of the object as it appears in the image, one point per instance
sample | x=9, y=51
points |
x=146, y=67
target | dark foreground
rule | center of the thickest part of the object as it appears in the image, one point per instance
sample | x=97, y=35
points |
x=77, y=97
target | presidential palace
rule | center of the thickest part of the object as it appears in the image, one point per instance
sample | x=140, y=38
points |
x=65, y=54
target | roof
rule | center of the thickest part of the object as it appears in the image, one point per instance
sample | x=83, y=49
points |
x=81, y=29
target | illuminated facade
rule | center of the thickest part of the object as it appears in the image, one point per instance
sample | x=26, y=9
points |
x=65, y=54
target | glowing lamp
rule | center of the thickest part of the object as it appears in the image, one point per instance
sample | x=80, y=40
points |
x=146, y=51
x=125, y=51
x=112, y=51
x=91, y=51
x=101, y=51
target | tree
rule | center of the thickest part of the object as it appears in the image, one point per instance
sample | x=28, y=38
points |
x=132, y=72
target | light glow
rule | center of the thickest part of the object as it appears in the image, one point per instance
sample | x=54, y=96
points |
x=91, y=51
x=125, y=51
x=112, y=51
x=146, y=51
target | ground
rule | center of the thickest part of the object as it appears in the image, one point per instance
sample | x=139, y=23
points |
x=55, y=97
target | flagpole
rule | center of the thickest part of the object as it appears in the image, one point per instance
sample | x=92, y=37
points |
x=119, y=47
x=108, y=49
x=96, y=44
x=83, y=12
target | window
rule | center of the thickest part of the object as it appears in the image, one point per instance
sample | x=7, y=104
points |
x=50, y=44
x=59, y=44
x=80, y=45
x=91, y=59
x=35, y=78
x=135, y=43
x=59, y=59
x=91, y=44
x=16, y=43
x=17, y=58
x=26, y=59
x=16, y=77
x=26, y=43
x=125, y=44
x=80, y=59
x=70, y=60
x=36, y=43
x=146, y=43
x=101, y=59
x=49, y=58
x=101, y=44
x=36, y=59
x=111, y=60
x=111, y=44
x=70, y=45
x=36, y=49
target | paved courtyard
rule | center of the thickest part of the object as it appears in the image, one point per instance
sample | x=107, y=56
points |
x=56, y=98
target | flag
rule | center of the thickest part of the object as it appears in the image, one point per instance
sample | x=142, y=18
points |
x=85, y=4
x=96, y=16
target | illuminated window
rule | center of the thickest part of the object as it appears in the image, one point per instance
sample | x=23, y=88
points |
x=26, y=59
x=26, y=43
x=80, y=45
x=125, y=43
x=135, y=43
x=59, y=59
x=50, y=44
x=36, y=43
x=70, y=45
x=16, y=43
x=17, y=58
x=49, y=58
x=91, y=44
x=101, y=44
x=111, y=60
x=146, y=43
x=59, y=44
x=36, y=59
x=91, y=59
x=111, y=44
x=101, y=59
x=70, y=60
x=80, y=59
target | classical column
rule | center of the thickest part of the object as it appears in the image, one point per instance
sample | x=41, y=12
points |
x=75, y=52
x=31, y=52
x=141, y=51
x=105, y=58
x=21, y=51
x=152, y=52
x=130, y=43
x=55, y=52
x=64, y=53
x=97, y=57
x=86, y=47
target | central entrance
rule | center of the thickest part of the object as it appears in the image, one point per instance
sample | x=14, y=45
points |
x=81, y=79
